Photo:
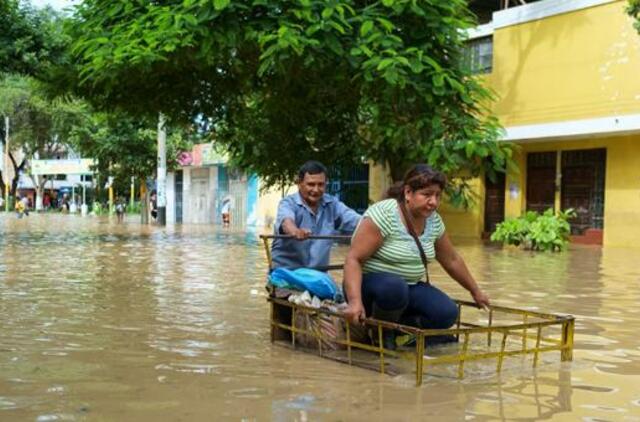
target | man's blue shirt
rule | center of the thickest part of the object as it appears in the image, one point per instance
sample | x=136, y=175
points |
x=332, y=217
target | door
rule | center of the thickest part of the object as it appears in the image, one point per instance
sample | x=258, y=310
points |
x=583, y=188
x=541, y=181
x=178, y=190
x=199, y=209
x=494, y=202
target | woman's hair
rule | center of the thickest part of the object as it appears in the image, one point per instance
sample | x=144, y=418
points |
x=417, y=177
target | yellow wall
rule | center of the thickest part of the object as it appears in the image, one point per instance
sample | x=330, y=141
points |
x=465, y=223
x=577, y=65
x=379, y=182
x=268, y=205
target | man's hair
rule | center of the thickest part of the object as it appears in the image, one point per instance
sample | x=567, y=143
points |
x=311, y=167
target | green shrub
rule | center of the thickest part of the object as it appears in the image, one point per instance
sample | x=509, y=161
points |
x=546, y=232
x=135, y=208
x=98, y=209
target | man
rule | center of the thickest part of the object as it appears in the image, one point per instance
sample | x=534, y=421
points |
x=309, y=212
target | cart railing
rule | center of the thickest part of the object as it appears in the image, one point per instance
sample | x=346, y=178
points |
x=526, y=326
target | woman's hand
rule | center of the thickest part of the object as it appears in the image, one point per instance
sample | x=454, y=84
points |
x=355, y=313
x=481, y=299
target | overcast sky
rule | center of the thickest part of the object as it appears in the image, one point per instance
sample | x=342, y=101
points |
x=56, y=4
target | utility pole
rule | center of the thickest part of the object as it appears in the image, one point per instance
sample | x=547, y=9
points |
x=84, y=210
x=6, y=164
x=162, y=172
x=132, y=200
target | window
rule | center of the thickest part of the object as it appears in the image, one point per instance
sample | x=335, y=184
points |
x=61, y=177
x=479, y=54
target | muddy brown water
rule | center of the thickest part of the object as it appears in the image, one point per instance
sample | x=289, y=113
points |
x=101, y=321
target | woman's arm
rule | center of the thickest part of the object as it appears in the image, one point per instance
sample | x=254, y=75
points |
x=366, y=241
x=454, y=265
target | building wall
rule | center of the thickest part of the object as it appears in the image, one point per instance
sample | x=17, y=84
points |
x=462, y=222
x=267, y=204
x=578, y=70
x=202, y=198
x=379, y=181
x=171, y=198
x=577, y=65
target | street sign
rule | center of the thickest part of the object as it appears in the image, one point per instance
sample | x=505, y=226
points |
x=72, y=166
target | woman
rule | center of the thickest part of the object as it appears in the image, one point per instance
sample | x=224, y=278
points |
x=384, y=273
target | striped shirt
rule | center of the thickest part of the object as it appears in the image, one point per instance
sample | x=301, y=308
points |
x=399, y=253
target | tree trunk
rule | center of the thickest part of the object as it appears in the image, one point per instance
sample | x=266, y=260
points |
x=40, y=193
x=38, y=183
x=397, y=169
x=16, y=174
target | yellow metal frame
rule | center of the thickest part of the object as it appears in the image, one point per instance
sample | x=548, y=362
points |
x=525, y=330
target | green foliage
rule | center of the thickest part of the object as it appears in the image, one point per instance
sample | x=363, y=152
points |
x=546, y=232
x=31, y=40
x=136, y=208
x=282, y=81
x=633, y=9
x=38, y=124
x=125, y=146
x=98, y=209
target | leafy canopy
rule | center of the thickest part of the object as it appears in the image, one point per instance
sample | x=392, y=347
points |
x=124, y=146
x=39, y=125
x=633, y=9
x=31, y=40
x=281, y=81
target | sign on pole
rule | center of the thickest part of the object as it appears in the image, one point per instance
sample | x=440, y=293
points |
x=72, y=166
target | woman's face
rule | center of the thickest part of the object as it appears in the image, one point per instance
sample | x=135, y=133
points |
x=422, y=202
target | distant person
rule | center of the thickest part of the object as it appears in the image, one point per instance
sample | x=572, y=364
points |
x=154, y=204
x=20, y=207
x=226, y=212
x=120, y=209
x=309, y=212
x=66, y=206
x=27, y=204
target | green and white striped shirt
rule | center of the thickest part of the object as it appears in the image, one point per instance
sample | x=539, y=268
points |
x=399, y=253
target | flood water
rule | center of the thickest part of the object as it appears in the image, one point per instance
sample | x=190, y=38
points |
x=101, y=321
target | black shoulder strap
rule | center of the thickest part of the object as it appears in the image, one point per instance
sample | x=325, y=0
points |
x=412, y=232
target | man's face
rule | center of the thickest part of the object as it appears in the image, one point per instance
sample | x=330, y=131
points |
x=312, y=187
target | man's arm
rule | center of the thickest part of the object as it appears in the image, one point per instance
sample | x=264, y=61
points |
x=285, y=220
x=346, y=218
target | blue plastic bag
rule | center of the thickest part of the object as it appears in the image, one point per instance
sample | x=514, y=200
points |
x=316, y=282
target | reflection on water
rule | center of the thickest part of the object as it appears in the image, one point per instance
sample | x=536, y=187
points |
x=109, y=322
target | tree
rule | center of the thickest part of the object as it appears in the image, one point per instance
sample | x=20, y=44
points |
x=124, y=146
x=282, y=81
x=634, y=11
x=39, y=126
x=31, y=40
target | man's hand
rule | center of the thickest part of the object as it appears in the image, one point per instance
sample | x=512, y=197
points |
x=355, y=313
x=301, y=234
x=481, y=299
x=290, y=228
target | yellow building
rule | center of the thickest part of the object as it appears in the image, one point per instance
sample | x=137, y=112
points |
x=567, y=77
